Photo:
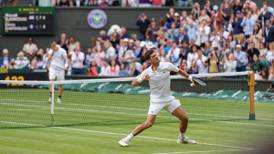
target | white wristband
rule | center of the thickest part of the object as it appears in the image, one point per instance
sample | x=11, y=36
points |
x=190, y=78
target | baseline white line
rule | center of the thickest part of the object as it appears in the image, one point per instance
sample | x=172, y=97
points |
x=122, y=134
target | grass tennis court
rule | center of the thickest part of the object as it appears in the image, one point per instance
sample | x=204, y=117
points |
x=94, y=122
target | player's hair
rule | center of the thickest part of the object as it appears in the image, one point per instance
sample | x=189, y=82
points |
x=53, y=44
x=148, y=53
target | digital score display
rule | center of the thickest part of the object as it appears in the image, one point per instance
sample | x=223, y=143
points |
x=28, y=20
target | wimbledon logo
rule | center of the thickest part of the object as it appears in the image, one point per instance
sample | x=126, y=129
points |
x=97, y=19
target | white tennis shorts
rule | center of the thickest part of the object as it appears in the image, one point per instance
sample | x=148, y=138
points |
x=55, y=74
x=155, y=108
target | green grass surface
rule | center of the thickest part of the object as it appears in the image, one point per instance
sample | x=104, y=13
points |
x=94, y=122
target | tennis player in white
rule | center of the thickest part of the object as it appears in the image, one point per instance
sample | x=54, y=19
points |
x=158, y=75
x=57, y=58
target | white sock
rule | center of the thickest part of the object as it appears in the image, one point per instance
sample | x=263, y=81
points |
x=182, y=135
x=129, y=137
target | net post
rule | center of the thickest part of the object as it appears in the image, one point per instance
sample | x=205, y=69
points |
x=251, y=84
x=52, y=98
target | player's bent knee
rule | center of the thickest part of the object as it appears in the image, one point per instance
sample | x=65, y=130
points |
x=148, y=124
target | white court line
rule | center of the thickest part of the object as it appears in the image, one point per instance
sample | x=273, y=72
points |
x=131, y=114
x=204, y=151
x=122, y=134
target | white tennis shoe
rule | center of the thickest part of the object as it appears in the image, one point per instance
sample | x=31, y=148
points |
x=59, y=100
x=185, y=140
x=49, y=100
x=123, y=142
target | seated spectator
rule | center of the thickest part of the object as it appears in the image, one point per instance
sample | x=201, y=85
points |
x=260, y=67
x=144, y=3
x=251, y=52
x=90, y=56
x=30, y=48
x=156, y=3
x=114, y=68
x=5, y=59
x=230, y=63
x=105, y=70
x=21, y=61
x=38, y=62
x=271, y=71
x=77, y=60
x=130, y=3
x=184, y=3
x=270, y=55
x=110, y=51
x=93, y=69
x=123, y=70
x=64, y=3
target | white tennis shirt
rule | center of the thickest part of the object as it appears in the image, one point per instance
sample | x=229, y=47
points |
x=58, y=59
x=159, y=82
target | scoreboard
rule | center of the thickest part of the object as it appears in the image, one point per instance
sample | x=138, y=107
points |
x=28, y=20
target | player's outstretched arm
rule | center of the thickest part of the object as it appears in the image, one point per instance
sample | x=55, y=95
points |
x=139, y=80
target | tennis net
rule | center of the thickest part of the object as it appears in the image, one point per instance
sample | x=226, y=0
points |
x=113, y=101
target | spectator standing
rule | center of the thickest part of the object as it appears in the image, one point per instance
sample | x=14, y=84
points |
x=143, y=24
x=173, y=55
x=248, y=24
x=63, y=41
x=230, y=63
x=77, y=60
x=241, y=59
x=213, y=63
x=201, y=63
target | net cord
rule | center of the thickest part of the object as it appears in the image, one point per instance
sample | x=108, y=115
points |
x=117, y=79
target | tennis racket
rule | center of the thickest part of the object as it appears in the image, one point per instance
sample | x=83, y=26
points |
x=199, y=81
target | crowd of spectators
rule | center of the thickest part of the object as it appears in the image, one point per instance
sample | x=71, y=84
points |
x=231, y=37
x=100, y=3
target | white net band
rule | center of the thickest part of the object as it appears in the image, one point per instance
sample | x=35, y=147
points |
x=83, y=81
